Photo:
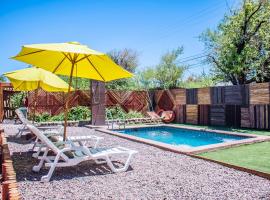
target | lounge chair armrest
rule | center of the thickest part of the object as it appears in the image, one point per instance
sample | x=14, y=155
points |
x=63, y=143
x=84, y=138
x=52, y=133
x=74, y=148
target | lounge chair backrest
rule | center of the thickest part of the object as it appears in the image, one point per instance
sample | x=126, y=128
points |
x=45, y=140
x=21, y=116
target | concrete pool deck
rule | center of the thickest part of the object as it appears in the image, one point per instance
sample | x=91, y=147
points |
x=153, y=174
x=252, y=138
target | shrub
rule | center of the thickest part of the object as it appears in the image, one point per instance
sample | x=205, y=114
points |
x=115, y=112
x=79, y=113
x=74, y=114
x=58, y=118
x=17, y=99
x=134, y=114
x=44, y=117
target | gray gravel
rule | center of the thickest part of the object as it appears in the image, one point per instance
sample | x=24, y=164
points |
x=154, y=174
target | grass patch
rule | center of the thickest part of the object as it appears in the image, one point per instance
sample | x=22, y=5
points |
x=239, y=130
x=252, y=156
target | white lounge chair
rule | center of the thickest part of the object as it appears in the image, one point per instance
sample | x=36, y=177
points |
x=69, y=155
x=57, y=137
x=55, y=133
x=25, y=121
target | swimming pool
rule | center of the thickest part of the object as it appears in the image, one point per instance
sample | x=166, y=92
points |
x=181, y=137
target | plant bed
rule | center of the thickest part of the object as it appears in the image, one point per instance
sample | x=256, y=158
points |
x=9, y=186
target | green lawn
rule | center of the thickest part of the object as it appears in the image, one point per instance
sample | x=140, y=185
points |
x=253, y=156
x=240, y=130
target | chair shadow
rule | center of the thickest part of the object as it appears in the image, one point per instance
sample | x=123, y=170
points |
x=24, y=139
x=23, y=163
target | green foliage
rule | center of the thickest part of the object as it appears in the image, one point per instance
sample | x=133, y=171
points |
x=117, y=112
x=146, y=79
x=133, y=114
x=78, y=83
x=79, y=113
x=198, y=81
x=3, y=78
x=168, y=72
x=239, y=49
x=75, y=114
x=44, y=117
x=57, y=118
x=17, y=99
x=128, y=59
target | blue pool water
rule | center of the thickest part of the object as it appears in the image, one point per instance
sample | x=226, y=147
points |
x=180, y=136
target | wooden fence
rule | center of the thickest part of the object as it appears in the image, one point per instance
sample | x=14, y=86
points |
x=235, y=106
x=53, y=102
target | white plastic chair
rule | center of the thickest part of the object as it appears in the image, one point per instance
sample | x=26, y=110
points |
x=70, y=155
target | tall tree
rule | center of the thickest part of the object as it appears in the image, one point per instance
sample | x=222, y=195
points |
x=239, y=49
x=3, y=78
x=169, y=72
x=128, y=59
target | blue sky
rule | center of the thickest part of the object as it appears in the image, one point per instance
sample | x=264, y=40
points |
x=152, y=27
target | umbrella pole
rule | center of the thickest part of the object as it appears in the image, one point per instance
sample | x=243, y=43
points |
x=35, y=105
x=67, y=101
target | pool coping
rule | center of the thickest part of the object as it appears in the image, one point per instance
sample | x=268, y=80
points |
x=184, y=150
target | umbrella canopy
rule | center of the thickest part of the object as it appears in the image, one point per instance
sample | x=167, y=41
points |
x=33, y=78
x=72, y=59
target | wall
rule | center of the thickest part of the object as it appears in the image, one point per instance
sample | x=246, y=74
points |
x=235, y=106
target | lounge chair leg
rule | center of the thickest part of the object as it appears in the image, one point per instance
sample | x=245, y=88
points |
x=37, y=168
x=35, y=155
x=116, y=170
x=35, y=143
x=52, y=168
x=97, y=142
x=20, y=131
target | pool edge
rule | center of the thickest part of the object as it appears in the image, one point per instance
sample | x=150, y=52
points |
x=195, y=150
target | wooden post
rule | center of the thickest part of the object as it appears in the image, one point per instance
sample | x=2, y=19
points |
x=98, y=103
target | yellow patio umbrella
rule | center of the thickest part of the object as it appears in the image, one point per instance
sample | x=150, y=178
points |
x=72, y=59
x=33, y=78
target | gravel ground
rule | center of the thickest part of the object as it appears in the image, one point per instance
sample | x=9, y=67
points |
x=154, y=174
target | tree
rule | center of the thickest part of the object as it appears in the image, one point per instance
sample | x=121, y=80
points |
x=198, y=81
x=128, y=59
x=146, y=79
x=168, y=72
x=78, y=83
x=3, y=78
x=239, y=50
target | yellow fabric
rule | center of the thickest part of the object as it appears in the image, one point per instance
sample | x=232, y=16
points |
x=33, y=78
x=58, y=58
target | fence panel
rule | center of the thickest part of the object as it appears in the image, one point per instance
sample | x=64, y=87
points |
x=192, y=96
x=259, y=93
x=192, y=114
x=217, y=95
x=217, y=113
x=204, y=114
